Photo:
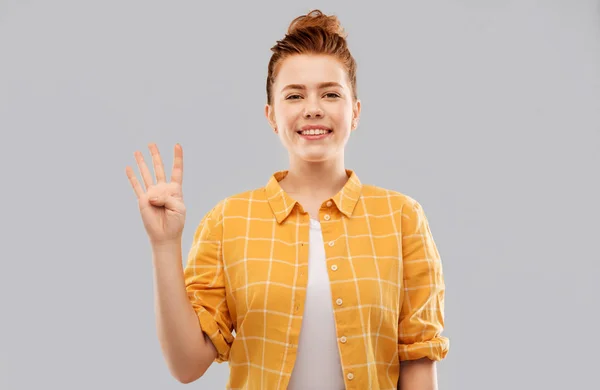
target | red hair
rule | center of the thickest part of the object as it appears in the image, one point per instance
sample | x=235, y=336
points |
x=313, y=33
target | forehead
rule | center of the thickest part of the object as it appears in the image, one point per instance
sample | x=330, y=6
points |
x=310, y=70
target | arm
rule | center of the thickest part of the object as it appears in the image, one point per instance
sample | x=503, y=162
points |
x=182, y=341
x=421, y=321
x=204, y=278
x=418, y=374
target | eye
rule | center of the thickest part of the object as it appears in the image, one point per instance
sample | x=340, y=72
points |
x=292, y=97
x=332, y=94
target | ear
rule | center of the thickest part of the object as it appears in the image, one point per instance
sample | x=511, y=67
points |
x=356, y=114
x=270, y=115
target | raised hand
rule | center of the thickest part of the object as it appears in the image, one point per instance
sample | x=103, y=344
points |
x=164, y=216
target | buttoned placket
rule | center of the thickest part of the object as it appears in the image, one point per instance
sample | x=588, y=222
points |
x=339, y=301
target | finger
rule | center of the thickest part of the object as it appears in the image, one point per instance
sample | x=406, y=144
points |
x=144, y=171
x=139, y=191
x=168, y=202
x=177, y=174
x=159, y=170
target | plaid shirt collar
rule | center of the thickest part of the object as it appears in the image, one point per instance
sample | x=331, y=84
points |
x=282, y=204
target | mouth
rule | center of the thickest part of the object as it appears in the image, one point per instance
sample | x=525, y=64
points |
x=313, y=134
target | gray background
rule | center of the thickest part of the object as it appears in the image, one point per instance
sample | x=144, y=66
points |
x=486, y=112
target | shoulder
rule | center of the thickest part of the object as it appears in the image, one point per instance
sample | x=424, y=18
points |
x=236, y=203
x=233, y=205
x=406, y=209
x=398, y=200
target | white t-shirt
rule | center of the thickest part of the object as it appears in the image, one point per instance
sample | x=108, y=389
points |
x=318, y=360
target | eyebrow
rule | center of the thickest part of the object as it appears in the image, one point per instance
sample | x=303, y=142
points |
x=321, y=85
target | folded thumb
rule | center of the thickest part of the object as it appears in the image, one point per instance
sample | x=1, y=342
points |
x=167, y=201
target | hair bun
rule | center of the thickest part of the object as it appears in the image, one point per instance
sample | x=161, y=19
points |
x=316, y=19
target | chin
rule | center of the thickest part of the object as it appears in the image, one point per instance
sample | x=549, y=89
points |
x=312, y=158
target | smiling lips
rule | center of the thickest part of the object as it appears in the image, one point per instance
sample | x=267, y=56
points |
x=314, y=132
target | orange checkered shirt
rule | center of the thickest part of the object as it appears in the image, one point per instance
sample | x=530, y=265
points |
x=247, y=270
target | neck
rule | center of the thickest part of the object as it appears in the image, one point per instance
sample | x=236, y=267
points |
x=323, y=179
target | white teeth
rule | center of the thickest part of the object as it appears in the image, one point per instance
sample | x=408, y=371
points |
x=314, y=132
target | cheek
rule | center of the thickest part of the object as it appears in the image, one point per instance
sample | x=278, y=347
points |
x=343, y=120
x=286, y=116
x=343, y=113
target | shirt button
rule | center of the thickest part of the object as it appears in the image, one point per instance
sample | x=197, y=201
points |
x=343, y=339
x=331, y=243
x=329, y=203
x=334, y=267
x=339, y=301
x=350, y=376
x=327, y=217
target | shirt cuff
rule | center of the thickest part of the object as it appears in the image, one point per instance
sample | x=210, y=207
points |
x=220, y=335
x=435, y=349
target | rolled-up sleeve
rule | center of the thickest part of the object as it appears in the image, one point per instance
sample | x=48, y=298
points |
x=205, y=283
x=421, y=319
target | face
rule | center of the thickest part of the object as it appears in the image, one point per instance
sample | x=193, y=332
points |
x=312, y=109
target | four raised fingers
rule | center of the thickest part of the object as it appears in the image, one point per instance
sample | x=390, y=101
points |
x=176, y=176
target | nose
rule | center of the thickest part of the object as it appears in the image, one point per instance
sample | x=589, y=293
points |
x=312, y=109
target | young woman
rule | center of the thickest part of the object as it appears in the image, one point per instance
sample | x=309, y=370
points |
x=315, y=280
